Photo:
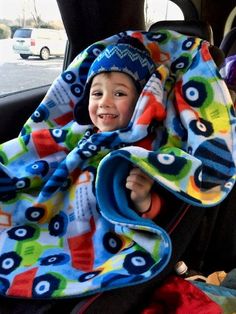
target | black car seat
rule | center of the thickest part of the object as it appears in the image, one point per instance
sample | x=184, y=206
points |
x=213, y=246
x=222, y=247
x=196, y=28
x=190, y=236
x=228, y=44
x=202, y=237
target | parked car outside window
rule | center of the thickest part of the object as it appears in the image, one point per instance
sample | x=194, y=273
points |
x=42, y=42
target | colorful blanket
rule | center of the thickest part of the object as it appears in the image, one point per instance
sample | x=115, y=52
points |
x=67, y=225
x=223, y=296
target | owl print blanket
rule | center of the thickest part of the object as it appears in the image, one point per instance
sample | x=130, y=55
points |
x=67, y=226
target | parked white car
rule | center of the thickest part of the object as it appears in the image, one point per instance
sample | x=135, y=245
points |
x=42, y=42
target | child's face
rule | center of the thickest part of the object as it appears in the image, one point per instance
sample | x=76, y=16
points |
x=112, y=99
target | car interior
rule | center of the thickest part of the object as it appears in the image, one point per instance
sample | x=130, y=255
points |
x=207, y=245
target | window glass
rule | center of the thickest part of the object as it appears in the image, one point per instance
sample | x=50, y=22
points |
x=22, y=33
x=157, y=10
x=32, y=44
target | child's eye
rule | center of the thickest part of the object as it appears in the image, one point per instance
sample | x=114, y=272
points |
x=96, y=94
x=120, y=94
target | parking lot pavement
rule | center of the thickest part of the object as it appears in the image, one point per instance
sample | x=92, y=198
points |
x=17, y=74
x=6, y=52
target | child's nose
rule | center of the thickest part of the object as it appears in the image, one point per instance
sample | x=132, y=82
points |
x=106, y=101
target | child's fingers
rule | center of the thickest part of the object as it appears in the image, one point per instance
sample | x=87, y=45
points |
x=138, y=186
x=134, y=185
x=138, y=176
x=137, y=193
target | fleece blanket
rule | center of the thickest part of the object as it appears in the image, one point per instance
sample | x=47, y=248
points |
x=223, y=296
x=67, y=225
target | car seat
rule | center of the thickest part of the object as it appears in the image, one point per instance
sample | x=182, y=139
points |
x=196, y=28
x=216, y=232
x=228, y=44
x=189, y=235
x=223, y=239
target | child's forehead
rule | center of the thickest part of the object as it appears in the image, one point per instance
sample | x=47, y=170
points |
x=114, y=77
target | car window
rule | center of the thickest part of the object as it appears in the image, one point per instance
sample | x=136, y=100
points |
x=33, y=40
x=24, y=33
x=32, y=44
x=157, y=10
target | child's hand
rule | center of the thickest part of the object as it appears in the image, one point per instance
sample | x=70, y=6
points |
x=140, y=185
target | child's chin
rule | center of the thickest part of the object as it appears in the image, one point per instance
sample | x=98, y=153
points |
x=107, y=128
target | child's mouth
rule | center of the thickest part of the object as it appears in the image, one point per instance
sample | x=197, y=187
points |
x=107, y=116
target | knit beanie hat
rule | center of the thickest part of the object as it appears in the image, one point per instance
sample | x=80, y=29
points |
x=128, y=56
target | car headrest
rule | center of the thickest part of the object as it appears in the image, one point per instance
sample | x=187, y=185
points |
x=228, y=44
x=196, y=28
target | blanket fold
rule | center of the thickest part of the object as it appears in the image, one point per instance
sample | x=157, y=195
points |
x=67, y=225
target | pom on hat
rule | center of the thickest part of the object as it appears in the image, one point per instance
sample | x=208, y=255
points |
x=128, y=56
